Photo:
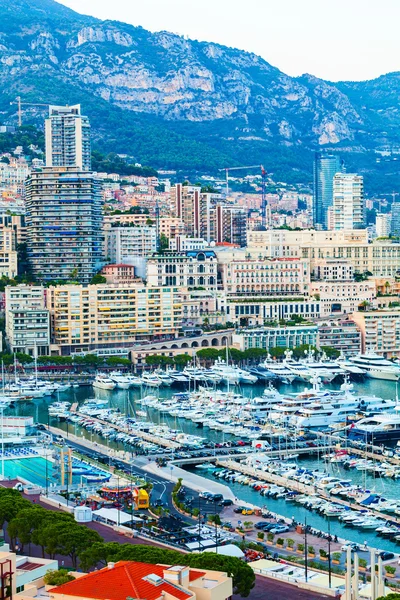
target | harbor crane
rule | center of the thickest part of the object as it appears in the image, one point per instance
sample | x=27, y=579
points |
x=20, y=104
x=263, y=188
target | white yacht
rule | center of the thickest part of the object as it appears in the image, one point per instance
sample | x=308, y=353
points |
x=376, y=366
x=321, y=414
x=228, y=373
x=102, y=382
x=121, y=381
x=150, y=380
x=327, y=370
x=164, y=378
x=280, y=369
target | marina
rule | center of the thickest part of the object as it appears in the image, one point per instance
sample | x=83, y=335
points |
x=231, y=424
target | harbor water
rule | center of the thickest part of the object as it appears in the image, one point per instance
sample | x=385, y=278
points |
x=129, y=402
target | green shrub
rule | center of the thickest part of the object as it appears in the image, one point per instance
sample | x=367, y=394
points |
x=311, y=550
x=290, y=543
x=280, y=541
x=57, y=577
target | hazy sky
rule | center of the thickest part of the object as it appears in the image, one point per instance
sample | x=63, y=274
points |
x=333, y=39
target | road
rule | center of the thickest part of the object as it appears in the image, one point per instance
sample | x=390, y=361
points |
x=269, y=589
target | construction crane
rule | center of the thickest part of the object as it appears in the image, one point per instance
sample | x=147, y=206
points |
x=20, y=104
x=263, y=188
x=227, y=169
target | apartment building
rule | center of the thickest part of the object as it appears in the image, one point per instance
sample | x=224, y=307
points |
x=27, y=320
x=8, y=252
x=343, y=335
x=122, y=244
x=17, y=224
x=380, y=331
x=168, y=226
x=274, y=337
x=64, y=224
x=194, y=268
x=258, y=309
x=348, y=208
x=107, y=316
x=67, y=138
x=121, y=273
x=383, y=224
x=204, y=215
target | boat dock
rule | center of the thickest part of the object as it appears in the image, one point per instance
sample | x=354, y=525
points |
x=159, y=441
x=302, y=488
x=273, y=453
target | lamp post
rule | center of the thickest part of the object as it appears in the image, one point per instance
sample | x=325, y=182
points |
x=305, y=550
x=329, y=553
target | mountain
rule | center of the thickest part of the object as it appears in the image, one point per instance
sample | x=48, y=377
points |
x=178, y=103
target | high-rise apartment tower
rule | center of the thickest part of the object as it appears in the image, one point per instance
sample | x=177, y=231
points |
x=67, y=138
x=325, y=168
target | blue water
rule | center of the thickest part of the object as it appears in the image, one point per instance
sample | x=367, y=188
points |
x=31, y=469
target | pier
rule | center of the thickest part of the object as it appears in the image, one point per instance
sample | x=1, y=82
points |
x=159, y=441
x=302, y=488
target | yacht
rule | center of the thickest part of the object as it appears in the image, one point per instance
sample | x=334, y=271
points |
x=102, y=382
x=321, y=414
x=380, y=428
x=228, y=373
x=376, y=366
x=121, y=381
x=327, y=370
x=279, y=369
x=151, y=380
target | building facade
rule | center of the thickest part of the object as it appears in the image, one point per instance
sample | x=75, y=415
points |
x=325, y=168
x=395, y=221
x=8, y=252
x=27, y=320
x=348, y=208
x=274, y=337
x=342, y=296
x=122, y=244
x=380, y=331
x=64, y=224
x=191, y=269
x=67, y=134
x=110, y=316
x=343, y=335
x=383, y=224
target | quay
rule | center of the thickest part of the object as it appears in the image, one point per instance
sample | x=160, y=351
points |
x=346, y=444
x=273, y=453
x=302, y=488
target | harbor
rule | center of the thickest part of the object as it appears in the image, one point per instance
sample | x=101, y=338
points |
x=226, y=427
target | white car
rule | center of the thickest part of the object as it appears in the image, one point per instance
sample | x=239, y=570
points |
x=352, y=545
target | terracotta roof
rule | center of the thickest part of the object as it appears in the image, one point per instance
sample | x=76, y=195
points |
x=125, y=579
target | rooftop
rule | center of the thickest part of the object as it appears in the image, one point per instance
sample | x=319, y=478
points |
x=126, y=579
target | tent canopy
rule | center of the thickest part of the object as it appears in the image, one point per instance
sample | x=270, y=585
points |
x=116, y=516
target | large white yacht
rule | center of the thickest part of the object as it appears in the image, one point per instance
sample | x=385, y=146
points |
x=327, y=370
x=376, y=366
x=322, y=414
x=280, y=369
x=102, y=382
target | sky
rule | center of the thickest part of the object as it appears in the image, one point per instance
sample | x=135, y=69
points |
x=332, y=39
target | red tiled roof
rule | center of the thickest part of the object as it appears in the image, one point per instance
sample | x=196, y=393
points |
x=125, y=579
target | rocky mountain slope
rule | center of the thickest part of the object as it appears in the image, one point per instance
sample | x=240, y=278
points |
x=188, y=104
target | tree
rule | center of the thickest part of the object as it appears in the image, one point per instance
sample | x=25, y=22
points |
x=75, y=539
x=207, y=354
x=330, y=352
x=164, y=242
x=115, y=361
x=181, y=360
x=11, y=502
x=58, y=577
x=158, y=360
x=277, y=352
x=255, y=353
x=97, y=279
x=393, y=596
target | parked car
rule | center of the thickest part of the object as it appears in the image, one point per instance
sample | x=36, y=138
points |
x=352, y=545
x=261, y=524
x=386, y=555
x=280, y=529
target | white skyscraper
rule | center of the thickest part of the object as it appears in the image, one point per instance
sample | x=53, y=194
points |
x=383, y=224
x=68, y=138
x=348, y=210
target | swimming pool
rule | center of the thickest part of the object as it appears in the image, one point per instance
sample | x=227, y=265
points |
x=33, y=469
